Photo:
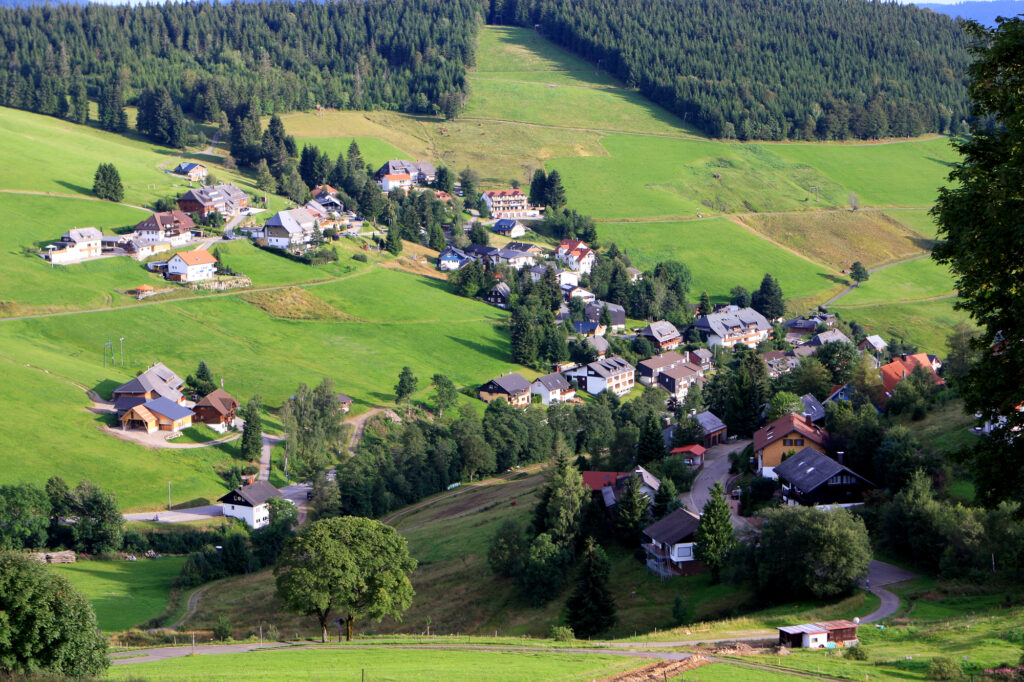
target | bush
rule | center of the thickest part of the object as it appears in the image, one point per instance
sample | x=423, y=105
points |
x=679, y=611
x=944, y=668
x=272, y=633
x=856, y=653
x=222, y=630
x=361, y=257
x=562, y=633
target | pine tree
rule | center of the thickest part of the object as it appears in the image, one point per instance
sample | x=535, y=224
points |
x=565, y=498
x=715, y=537
x=394, y=240
x=631, y=511
x=405, y=387
x=666, y=500
x=651, y=446
x=107, y=183
x=264, y=180
x=539, y=188
x=705, y=304
x=111, y=107
x=252, y=431
x=554, y=193
x=767, y=300
x=524, y=339
x=590, y=609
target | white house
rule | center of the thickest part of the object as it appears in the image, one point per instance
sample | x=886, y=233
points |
x=576, y=255
x=192, y=266
x=730, y=327
x=553, y=388
x=392, y=181
x=612, y=374
x=249, y=503
x=567, y=277
x=81, y=243
x=509, y=203
x=570, y=291
x=287, y=229
x=507, y=227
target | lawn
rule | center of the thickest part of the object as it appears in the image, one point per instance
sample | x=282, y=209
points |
x=917, y=220
x=721, y=255
x=124, y=594
x=910, y=281
x=926, y=324
x=515, y=53
x=387, y=663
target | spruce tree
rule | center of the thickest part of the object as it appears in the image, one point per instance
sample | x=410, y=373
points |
x=651, y=446
x=632, y=511
x=565, y=499
x=767, y=300
x=539, y=188
x=590, y=609
x=107, y=183
x=715, y=536
x=252, y=430
x=666, y=500
x=394, y=240
x=405, y=387
x=705, y=304
x=264, y=180
x=554, y=193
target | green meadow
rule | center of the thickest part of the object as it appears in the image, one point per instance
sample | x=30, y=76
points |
x=926, y=324
x=912, y=280
x=374, y=151
x=506, y=52
x=382, y=663
x=124, y=594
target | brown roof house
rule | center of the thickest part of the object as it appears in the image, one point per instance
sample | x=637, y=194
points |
x=218, y=409
x=789, y=433
x=174, y=227
x=512, y=388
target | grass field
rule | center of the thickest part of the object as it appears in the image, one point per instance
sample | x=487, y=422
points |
x=389, y=663
x=924, y=323
x=124, y=593
x=910, y=281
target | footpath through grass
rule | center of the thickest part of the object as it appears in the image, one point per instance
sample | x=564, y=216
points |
x=124, y=594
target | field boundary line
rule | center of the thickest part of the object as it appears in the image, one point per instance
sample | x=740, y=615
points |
x=58, y=195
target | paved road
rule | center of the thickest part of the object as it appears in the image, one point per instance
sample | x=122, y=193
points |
x=716, y=469
x=265, y=453
x=208, y=511
x=879, y=575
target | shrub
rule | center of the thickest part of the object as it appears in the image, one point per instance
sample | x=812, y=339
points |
x=679, y=611
x=272, y=634
x=222, y=630
x=944, y=668
x=856, y=653
x=562, y=633
x=361, y=257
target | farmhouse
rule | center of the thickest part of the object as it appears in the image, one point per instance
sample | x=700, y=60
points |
x=512, y=388
x=218, y=409
x=499, y=295
x=817, y=635
x=289, y=229
x=810, y=478
x=553, y=388
x=418, y=171
x=576, y=255
x=662, y=334
x=192, y=266
x=392, y=181
x=81, y=243
x=873, y=344
x=195, y=172
x=509, y=203
x=828, y=336
x=508, y=227
x=159, y=414
x=611, y=374
x=156, y=382
x=670, y=545
x=730, y=327
x=174, y=227
x=249, y=503
x=789, y=433
x=225, y=199
x=345, y=402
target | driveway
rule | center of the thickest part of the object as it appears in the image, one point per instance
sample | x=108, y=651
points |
x=208, y=511
x=716, y=470
x=879, y=575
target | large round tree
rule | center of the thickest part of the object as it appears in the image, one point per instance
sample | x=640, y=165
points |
x=45, y=624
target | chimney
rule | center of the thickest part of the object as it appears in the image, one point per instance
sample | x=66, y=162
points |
x=807, y=418
x=693, y=413
x=840, y=456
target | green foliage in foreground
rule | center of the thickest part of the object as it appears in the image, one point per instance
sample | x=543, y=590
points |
x=383, y=663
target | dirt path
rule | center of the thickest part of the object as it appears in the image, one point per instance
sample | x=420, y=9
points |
x=191, y=606
x=850, y=288
x=359, y=422
x=211, y=150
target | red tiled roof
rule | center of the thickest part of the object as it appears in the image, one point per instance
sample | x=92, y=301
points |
x=197, y=257
x=595, y=480
x=398, y=177
x=698, y=450
x=504, y=193
x=894, y=372
x=785, y=425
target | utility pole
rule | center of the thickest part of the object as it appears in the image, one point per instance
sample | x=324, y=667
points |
x=109, y=345
x=168, y=495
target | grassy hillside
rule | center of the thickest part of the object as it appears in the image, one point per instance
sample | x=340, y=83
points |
x=124, y=594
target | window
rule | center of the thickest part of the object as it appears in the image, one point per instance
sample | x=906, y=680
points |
x=798, y=441
x=787, y=441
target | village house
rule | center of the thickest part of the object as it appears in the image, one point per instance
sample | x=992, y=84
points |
x=249, y=503
x=840, y=393
x=600, y=346
x=508, y=227
x=78, y=244
x=729, y=327
x=678, y=379
x=289, y=229
x=611, y=374
x=609, y=485
x=789, y=433
x=509, y=203
x=662, y=334
x=873, y=344
x=702, y=357
x=670, y=545
x=327, y=196
x=157, y=381
x=576, y=255
x=452, y=258
x=692, y=455
x=225, y=199
x=649, y=369
x=174, y=227
x=158, y=414
x=524, y=247
x=512, y=388
x=195, y=172
x=565, y=277
x=217, y=409
x=812, y=407
x=903, y=366
x=391, y=181
x=345, y=402
x=499, y=295
x=571, y=291
x=513, y=259
x=480, y=253
x=420, y=172
x=587, y=328
x=802, y=326
x=779, y=362
x=828, y=336
x=635, y=274
x=192, y=266
x=553, y=388
x=817, y=635
x=715, y=431
x=617, y=313
x=811, y=478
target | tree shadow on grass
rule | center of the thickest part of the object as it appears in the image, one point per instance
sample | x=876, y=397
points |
x=75, y=188
x=833, y=278
x=922, y=243
x=491, y=350
x=105, y=389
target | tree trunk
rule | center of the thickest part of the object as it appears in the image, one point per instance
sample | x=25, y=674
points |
x=349, y=626
x=323, y=627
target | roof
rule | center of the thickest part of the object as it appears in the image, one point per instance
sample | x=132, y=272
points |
x=584, y=326
x=876, y=342
x=505, y=223
x=704, y=354
x=293, y=221
x=808, y=469
x=163, y=372
x=157, y=379
x=662, y=330
x=197, y=257
x=830, y=336
x=894, y=372
x=616, y=312
x=817, y=628
x=674, y=528
x=709, y=422
x=398, y=166
x=553, y=382
x=694, y=449
x=453, y=253
x=161, y=222
x=480, y=249
x=141, y=412
x=729, y=322
x=504, y=193
x=219, y=400
x=255, y=493
x=524, y=246
x=211, y=195
x=785, y=425
x=502, y=289
x=397, y=177
x=595, y=480
x=168, y=408
x=512, y=383
x=648, y=479
x=188, y=166
x=610, y=366
x=599, y=343
x=662, y=360
x=343, y=399
x=812, y=408
x=682, y=371
x=83, y=234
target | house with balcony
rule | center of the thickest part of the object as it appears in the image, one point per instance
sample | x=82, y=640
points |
x=576, y=255
x=610, y=374
x=662, y=334
x=670, y=545
x=729, y=327
x=553, y=388
x=789, y=433
x=512, y=388
x=510, y=203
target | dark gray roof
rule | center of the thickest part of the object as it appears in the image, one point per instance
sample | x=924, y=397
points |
x=512, y=383
x=480, y=250
x=553, y=382
x=584, y=326
x=157, y=379
x=828, y=337
x=812, y=408
x=732, y=322
x=709, y=422
x=522, y=246
x=677, y=527
x=599, y=343
x=616, y=312
x=661, y=330
x=501, y=288
x=168, y=408
x=254, y=494
x=808, y=469
x=212, y=195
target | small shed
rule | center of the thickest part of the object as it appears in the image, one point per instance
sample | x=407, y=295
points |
x=817, y=635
